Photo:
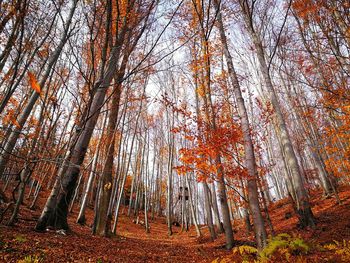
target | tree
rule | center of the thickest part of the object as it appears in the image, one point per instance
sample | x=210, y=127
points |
x=250, y=163
x=58, y=206
x=303, y=208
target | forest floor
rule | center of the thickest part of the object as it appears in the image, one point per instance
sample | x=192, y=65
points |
x=132, y=244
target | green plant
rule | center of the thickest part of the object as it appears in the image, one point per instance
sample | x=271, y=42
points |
x=283, y=246
x=340, y=249
x=20, y=238
x=247, y=253
x=30, y=259
x=244, y=254
x=279, y=249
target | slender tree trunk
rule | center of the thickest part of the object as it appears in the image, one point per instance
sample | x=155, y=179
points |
x=24, y=176
x=208, y=211
x=250, y=163
x=81, y=216
x=134, y=182
x=103, y=222
x=214, y=201
x=193, y=213
x=304, y=209
x=22, y=118
x=170, y=173
x=146, y=183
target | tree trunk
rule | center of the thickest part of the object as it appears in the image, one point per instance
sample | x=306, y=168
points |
x=208, y=211
x=214, y=202
x=78, y=152
x=103, y=221
x=22, y=118
x=306, y=217
x=250, y=163
x=81, y=216
x=194, y=219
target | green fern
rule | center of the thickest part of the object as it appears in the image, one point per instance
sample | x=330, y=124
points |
x=20, y=238
x=340, y=249
x=245, y=250
x=30, y=259
x=271, y=248
x=282, y=247
x=297, y=244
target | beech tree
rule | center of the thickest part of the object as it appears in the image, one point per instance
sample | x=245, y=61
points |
x=35, y=94
x=194, y=113
x=306, y=217
x=250, y=162
x=57, y=204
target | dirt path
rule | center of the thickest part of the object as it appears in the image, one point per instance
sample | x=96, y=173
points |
x=132, y=244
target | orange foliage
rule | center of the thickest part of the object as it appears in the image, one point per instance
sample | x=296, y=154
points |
x=33, y=82
x=328, y=74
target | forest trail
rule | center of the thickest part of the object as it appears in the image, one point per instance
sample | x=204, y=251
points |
x=230, y=114
x=133, y=244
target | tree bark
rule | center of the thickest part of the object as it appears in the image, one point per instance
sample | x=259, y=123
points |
x=11, y=141
x=250, y=163
x=306, y=217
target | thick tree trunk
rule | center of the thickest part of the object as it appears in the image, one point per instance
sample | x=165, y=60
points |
x=306, y=217
x=225, y=212
x=68, y=182
x=103, y=221
x=48, y=214
x=250, y=163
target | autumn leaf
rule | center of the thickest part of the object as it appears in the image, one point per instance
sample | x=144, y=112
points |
x=33, y=82
x=10, y=118
x=15, y=122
